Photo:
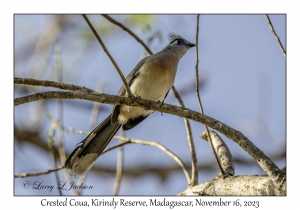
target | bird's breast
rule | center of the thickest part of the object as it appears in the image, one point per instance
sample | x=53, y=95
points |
x=152, y=83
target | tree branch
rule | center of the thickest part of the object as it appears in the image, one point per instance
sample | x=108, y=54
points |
x=274, y=33
x=194, y=180
x=223, y=151
x=119, y=168
x=199, y=99
x=23, y=175
x=163, y=148
x=48, y=83
x=235, y=186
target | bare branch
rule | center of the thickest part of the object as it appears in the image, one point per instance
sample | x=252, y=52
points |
x=119, y=168
x=60, y=131
x=110, y=57
x=78, y=131
x=48, y=83
x=54, y=125
x=197, y=61
x=163, y=148
x=198, y=96
x=194, y=180
x=235, y=186
x=38, y=173
x=58, y=70
x=96, y=108
x=222, y=150
x=128, y=31
x=274, y=33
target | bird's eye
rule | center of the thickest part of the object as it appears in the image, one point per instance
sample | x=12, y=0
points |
x=174, y=42
x=177, y=42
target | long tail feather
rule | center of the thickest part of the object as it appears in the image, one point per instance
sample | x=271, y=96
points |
x=84, y=156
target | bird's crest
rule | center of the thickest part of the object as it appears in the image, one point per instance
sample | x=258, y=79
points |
x=173, y=36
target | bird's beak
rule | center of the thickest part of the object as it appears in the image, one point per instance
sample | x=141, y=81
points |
x=191, y=45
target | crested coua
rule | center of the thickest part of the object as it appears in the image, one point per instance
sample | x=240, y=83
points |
x=151, y=79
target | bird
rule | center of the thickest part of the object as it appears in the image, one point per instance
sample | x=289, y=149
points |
x=151, y=79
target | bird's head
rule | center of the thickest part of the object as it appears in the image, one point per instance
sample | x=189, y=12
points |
x=177, y=41
x=177, y=45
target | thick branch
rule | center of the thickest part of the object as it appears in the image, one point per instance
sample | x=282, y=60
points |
x=222, y=150
x=235, y=186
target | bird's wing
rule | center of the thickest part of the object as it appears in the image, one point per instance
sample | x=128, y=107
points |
x=130, y=78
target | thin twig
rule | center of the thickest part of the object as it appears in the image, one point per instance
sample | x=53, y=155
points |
x=197, y=63
x=58, y=69
x=48, y=83
x=163, y=148
x=60, y=130
x=50, y=134
x=199, y=99
x=128, y=31
x=78, y=131
x=23, y=175
x=110, y=57
x=276, y=37
x=96, y=108
x=119, y=168
x=194, y=179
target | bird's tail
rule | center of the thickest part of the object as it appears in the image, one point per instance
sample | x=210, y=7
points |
x=84, y=156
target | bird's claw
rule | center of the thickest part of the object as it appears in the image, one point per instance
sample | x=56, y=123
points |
x=160, y=103
x=135, y=98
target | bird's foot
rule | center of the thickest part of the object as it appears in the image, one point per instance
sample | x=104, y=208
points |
x=160, y=103
x=135, y=98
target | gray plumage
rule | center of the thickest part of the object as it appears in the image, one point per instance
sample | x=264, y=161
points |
x=151, y=79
